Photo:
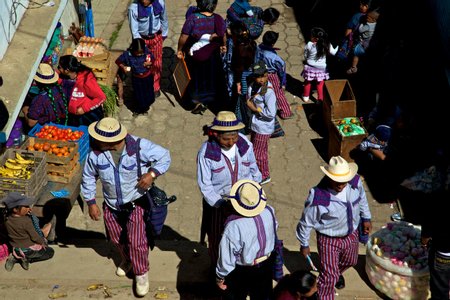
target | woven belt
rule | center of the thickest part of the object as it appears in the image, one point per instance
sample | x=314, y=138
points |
x=151, y=36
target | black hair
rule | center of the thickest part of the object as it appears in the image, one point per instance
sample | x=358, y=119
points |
x=270, y=38
x=71, y=63
x=1, y=80
x=298, y=282
x=206, y=5
x=137, y=45
x=239, y=32
x=322, y=44
x=270, y=15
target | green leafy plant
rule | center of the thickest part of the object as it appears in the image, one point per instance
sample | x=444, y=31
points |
x=110, y=105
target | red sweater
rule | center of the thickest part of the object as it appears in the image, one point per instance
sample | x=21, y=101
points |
x=86, y=93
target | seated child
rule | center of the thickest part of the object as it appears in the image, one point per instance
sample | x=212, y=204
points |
x=376, y=144
x=299, y=285
x=28, y=240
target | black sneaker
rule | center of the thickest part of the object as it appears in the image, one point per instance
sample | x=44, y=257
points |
x=340, y=284
x=10, y=262
x=157, y=94
x=25, y=264
x=265, y=180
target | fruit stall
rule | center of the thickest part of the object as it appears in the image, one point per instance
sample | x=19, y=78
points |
x=48, y=167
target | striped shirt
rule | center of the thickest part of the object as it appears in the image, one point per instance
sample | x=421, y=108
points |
x=333, y=219
x=240, y=244
x=215, y=175
x=119, y=181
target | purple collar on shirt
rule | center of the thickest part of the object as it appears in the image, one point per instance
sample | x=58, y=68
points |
x=143, y=11
x=214, y=152
x=130, y=144
x=322, y=196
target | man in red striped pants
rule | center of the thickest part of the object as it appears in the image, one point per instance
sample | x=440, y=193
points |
x=335, y=208
x=148, y=20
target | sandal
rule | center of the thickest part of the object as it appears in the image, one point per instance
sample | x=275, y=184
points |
x=352, y=70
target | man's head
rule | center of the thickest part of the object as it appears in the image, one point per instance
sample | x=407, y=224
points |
x=145, y=2
x=270, y=38
x=340, y=172
x=108, y=133
x=247, y=198
x=225, y=128
x=18, y=203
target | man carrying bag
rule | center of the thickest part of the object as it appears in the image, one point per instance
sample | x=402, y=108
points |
x=114, y=160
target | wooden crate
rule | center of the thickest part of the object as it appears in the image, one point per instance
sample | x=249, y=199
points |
x=63, y=168
x=64, y=177
x=339, y=101
x=31, y=186
x=52, y=158
x=342, y=145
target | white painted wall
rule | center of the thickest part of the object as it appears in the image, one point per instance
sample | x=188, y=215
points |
x=11, y=12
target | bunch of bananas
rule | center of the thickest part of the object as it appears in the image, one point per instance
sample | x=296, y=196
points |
x=19, y=167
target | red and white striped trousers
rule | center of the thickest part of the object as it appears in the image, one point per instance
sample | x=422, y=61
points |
x=155, y=46
x=282, y=103
x=261, y=149
x=336, y=254
x=135, y=248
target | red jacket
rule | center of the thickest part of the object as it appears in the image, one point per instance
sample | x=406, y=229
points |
x=86, y=93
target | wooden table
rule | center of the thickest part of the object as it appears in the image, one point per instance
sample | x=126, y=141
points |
x=48, y=205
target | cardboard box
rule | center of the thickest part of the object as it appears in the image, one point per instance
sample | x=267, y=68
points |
x=342, y=145
x=339, y=101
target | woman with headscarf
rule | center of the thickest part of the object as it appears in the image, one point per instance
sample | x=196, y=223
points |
x=86, y=97
x=205, y=65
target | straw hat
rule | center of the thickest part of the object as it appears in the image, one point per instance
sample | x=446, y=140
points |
x=107, y=130
x=45, y=74
x=339, y=169
x=248, y=198
x=226, y=121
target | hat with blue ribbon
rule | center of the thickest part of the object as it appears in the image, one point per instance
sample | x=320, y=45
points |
x=247, y=198
x=107, y=130
x=226, y=121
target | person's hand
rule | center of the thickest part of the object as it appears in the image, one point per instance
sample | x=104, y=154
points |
x=305, y=251
x=145, y=182
x=25, y=110
x=147, y=64
x=94, y=212
x=223, y=49
x=239, y=88
x=221, y=284
x=80, y=111
x=367, y=227
x=180, y=54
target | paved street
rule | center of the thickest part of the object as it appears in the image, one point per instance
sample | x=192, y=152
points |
x=179, y=262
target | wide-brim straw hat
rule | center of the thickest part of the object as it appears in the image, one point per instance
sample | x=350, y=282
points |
x=226, y=121
x=339, y=169
x=107, y=130
x=248, y=198
x=46, y=74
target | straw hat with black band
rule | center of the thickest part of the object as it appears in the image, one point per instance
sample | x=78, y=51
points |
x=45, y=74
x=107, y=130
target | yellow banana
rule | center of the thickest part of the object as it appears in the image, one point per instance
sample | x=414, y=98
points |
x=20, y=159
x=12, y=166
x=94, y=287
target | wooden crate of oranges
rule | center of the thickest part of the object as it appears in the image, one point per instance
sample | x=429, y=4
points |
x=58, y=152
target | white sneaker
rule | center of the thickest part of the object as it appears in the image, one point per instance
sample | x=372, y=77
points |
x=124, y=267
x=265, y=180
x=142, y=285
x=305, y=99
